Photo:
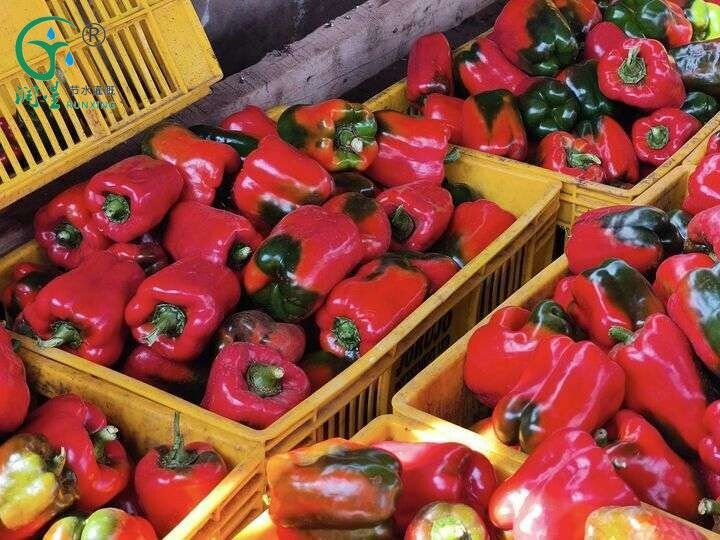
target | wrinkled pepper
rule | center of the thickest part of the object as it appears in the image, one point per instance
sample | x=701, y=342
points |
x=438, y=268
x=26, y=280
x=257, y=327
x=548, y=106
x=699, y=66
x=491, y=123
x=582, y=81
x=430, y=68
x=370, y=218
x=700, y=105
x=614, y=148
x=106, y=523
x=484, y=67
x=448, y=110
x=252, y=121
x=241, y=143
x=658, y=136
x=321, y=367
x=563, y=152
x=446, y=520
x=673, y=269
x=601, y=39
x=636, y=523
x=703, y=187
x=15, y=395
x=150, y=255
x=662, y=20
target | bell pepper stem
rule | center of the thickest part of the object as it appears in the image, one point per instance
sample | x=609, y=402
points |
x=709, y=507
x=347, y=139
x=100, y=439
x=453, y=155
x=178, y=457
x=623, y=335
x=57, y=462
x=116, y=208
x=265, y=380
x=601, y=437
x=167, y=319
x=580, y=160
x=68, y=236
x=657, y=137
x=348, y=336
x=633, y=69
x=402, y=224
x=238, y=255
x=63, y=333
x=448, y=528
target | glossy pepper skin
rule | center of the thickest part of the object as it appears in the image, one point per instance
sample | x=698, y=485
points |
x=150, y=255
x=635, y=523
x=65, y=229
x=484, y=67
x=131, y=197
x=703, y=191
x=82, y=310
x=713, y=144
x=106, y=523
x=26, y=280
x=430, y=68
x=363, y=309
x=548, y=106
x=448, y=110
x=614, y=148
x=535, y=36
x=434, y=472
x=643, y=459
x=642, y=236
x=257, y=327
x=370, y=218
x=411, y=150
x=176, y=310
x=641, y=74
x=582, y=81
x=699, y=66
x=695, y=308
x=15, y=395
x=673, y=269
x=336, y=133
x=557, y=487
x=254, y=385
x=251, y=121
x=170, y=480
x=563, y=152
x=709, y=449
x=565, y=385
x=440, y=518
x=35, y=485
x=221, y=237
x=658, y=136
x=581, y=15
x=500, y=351
x=680, y=220
x=705, y=19
x=202, y=163
x=418, y=214
x=321, y=367
x=611, y=294
x=353, y=182
x=601, y=39
x=473, y=227
x=306, y=255
x=655, y=19
x=241, y=143
x=382, y=531
x=94, y=455
x=704, y=230
x=438, y=268
x=700, y=105
x=491, y=123
x=275, y=180
x=303, y=486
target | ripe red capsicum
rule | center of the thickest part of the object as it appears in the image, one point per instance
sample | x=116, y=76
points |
x=411, y=150
x=197, y=230
x=275, y=180
x=563, y=152
x=419, y=213
x=658, y=136
x=26, y=280
x=363, y=309
x=565, y=385
x=444, y=520
x=703, y=189
x=321, y=367
x=704, y=230
x=65, y=229
x=98, y=460
x=601, y=39
x=581, y=15
x=252, y=121
x=82, y=310
x=642, y=236
x=176, y=310
x=448, y=110
x=370, y=218
x=709, y=448
x=149, y=254
x=15, y=394
x=614, y=148
x=132, y=196
x=305, y=256
x=491, y=123
x=484, y=67
x=430, y=68
x=440, y=472
x=106, y=523
x=438, y=268
x=172, y=479
x=254, y=385
x=498, y=352
x=641, y=74
x=673, y=269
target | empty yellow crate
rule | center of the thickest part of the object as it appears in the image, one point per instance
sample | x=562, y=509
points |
x=155, y=57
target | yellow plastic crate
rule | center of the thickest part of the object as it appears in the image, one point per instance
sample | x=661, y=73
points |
x=144, y=423
x=155, y=57
x=363, y=391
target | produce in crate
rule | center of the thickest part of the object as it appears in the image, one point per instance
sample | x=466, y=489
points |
x=635, y=523
x=321, y=367
x=438, y=268
x=582, y=80
x=107, y=523
x=702, y=106
x=673, y=269
x=258, y=327
x=448, y=110
x=614, y=148
x=657, y=19
x=658, y=136
x=704, y=184
x=370, y=218
x=563, y=152
x=148, y=253
x=491, y=122
x=445, y=520
x=704, y=230
x=15, y=395
x=430, y=69
x=26, y=280
x=484, y=67
x=548, y=106
x=601, y=39
x=251, y=121
x=241, y=143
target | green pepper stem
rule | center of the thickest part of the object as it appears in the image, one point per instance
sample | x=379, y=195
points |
x=167, y=319
x=178, y=457
x=448, y=527
x=238, y=255
x=63, y=333
x=348, y=336
x=709, y=507
x=402, y=224
x=116, y=208
x=581, y=161
x=347, y=139
x=601, y=437
x=633, y=69
x=623, y=335
x=68, y=236
x=100, y=439
x=657, y=137
x=453, y=155
x=265, y=380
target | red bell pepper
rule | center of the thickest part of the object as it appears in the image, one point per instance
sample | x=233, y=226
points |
x=581, y=15
x=82, y=310
x=258, y=327
x=498, y=352
x=641, y=74
x=446, y=520
x=440, y=472
x=673, y=269
x=252, y=121
x=176, y=311
x=484, y=67
x=562, y=294
x=275, y=180
x=419, y=213
x=713, y=145
x=636, y=522
x=15, y=394
x=614, y=148
x=353, y=182
x=438, y=268
x=197, y=230
x=254, y=385
x=411, y=150
x=306, y=255
x=430, y=68
x=601, y=39
x=131, y=197
x=474, y=226
x=106, y=523
x=94, y=455
x=26, y=280
x=658, y=136
x=562, y=152
x=149, y=254
x=382, y=531
x=612, y=294
x=565, y=385
x=491, y=123
x=321, y=367
x=64, y=228
x=370, y=218
x=709, y=448
x=642, y=236
x=172, y=479
x=363, y=309
x=447, y=110
x=643, y=459
x=557, y=487
x=703, y=187
x=704, y=230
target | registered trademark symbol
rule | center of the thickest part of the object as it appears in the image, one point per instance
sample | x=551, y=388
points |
x=93, y=34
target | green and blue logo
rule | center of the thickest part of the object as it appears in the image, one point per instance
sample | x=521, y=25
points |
x=51, y=48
